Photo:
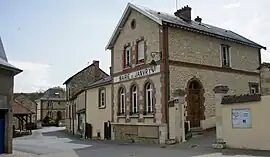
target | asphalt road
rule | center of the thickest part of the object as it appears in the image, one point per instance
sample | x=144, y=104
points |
x=55, y=142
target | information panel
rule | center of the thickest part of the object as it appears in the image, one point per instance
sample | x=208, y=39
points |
x=241, y=118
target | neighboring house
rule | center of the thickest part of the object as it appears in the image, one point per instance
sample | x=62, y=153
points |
x=38, y=102
x=7, y=73
x=154, y=54
x=21, y=115
x=99, y=108
x=265, y=78
x=24, y=100
x=53, y=104
x=74, y=85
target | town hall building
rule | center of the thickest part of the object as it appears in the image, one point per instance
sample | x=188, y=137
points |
x=154, y=54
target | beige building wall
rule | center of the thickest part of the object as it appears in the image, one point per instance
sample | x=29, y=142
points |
x=256, y=137
x=194, y=48
x=97, y=116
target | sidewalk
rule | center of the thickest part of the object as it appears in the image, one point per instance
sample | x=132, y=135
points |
x=19, y=154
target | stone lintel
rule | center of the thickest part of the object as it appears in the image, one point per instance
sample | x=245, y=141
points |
x=221, y=89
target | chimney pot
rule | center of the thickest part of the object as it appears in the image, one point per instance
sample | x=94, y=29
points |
x=97, y=71
x=198, y=19
x=184, y=13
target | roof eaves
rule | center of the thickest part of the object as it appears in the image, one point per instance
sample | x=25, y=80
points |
x=124, y=18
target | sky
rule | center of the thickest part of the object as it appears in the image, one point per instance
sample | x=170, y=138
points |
x=53, y=39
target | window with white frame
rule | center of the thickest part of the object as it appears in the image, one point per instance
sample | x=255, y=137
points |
x=102, y=98
x=225, y=55
x=122, y=102
x=149, y=98
x=127, y=56
x=134, y=102
x=141, y=51
x=254, y=88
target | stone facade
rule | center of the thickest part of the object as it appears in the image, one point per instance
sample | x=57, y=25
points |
x=265, y=78
x=149, y=31
x=51, y=107
x=183, y=55
x=76, y=84
x=187, y=50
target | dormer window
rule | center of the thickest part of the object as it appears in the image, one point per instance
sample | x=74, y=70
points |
x=225, y=56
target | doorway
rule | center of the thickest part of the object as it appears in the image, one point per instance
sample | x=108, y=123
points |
x=2, y=131
x=195, y=103
x=107, y=130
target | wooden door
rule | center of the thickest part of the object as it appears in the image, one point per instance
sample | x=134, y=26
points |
x=194, y=108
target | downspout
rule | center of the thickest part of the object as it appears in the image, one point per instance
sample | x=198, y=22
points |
x=85, y=98
x=260, y=62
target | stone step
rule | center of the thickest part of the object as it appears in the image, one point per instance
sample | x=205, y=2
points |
x=196, y=131
x=170, y=141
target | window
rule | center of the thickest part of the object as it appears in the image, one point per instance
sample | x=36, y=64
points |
x=149, y=98
x=122, y=102
x=102, y=98
x=140, y=51
x=254, y=88
x=127, y=57
x=225, y=55
x=134, y=101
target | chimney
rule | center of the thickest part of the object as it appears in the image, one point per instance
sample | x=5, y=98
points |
x=97, y=71
x=198, y=19
x=184, y=13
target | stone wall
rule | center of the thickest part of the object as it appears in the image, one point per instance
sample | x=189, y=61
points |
x=238, y=84
x=138, y=133
x=84, y=78
x=146, y=29
x=201, y=49
x=139, y=118
x=56, y=106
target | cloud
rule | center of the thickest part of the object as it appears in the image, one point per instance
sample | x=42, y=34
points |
x=232, y=5
x=33, y=78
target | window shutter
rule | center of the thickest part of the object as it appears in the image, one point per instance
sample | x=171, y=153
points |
x=141, y=50
x=136, y=52
x=99, y=97
x=124, y=58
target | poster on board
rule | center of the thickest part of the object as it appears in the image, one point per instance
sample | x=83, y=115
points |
x=241, y=118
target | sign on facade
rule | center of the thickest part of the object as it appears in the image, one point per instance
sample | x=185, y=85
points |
x=137, y=74
x=241, y=118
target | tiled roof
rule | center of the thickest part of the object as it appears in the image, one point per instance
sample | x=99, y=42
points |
x=54, y=94
x=17, y=108
x=232, y=99
x=170, y=19
x=4, y=61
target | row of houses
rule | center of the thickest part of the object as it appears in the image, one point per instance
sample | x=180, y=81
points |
x=157, y=57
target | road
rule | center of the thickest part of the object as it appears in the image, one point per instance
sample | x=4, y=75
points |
x=55, y=142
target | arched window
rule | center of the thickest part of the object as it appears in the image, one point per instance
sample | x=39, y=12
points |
x=122, y=102
x=149, y=98
x=134, y=100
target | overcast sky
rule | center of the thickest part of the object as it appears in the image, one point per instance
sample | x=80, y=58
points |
x=53, y=39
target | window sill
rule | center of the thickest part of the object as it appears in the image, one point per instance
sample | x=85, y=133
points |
x=102, y=107
x=121, y=116
x=135, y=115
x=140, y=63
x=127, y=67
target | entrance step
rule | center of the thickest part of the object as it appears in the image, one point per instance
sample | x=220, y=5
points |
x=170, y=141
x=196, y=131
